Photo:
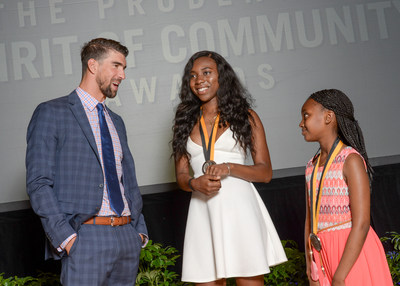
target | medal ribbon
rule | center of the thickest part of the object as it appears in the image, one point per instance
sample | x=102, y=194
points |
x=208, y=146
x=316, y=196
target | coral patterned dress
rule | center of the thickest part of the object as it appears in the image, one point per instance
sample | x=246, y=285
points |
x=371, y=266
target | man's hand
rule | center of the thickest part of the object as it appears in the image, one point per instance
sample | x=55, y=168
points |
x=69, y=245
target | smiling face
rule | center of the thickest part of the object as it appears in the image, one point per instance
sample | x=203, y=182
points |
x=313, y=120
x=110, y=73
x=204, y=79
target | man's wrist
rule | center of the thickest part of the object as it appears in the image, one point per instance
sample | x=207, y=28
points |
x=64, y=244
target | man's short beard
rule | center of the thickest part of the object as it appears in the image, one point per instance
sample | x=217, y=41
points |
x=107, y=92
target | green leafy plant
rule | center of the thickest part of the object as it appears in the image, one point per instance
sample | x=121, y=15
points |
x=11, y=281
x=155, y=264
x=292, y=272
x=394, y=238
x=393, y=256
x=43, y=279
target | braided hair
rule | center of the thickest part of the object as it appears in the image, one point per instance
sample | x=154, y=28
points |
x=348, y=129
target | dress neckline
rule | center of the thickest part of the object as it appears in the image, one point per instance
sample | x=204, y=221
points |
x=222, y=134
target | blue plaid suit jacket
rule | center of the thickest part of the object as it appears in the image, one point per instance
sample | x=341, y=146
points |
x=64, y=174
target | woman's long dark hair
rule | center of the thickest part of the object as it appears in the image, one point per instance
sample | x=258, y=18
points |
x=234, y=103
x=349, y=130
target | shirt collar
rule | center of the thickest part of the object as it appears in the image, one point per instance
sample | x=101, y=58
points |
x=87, y=100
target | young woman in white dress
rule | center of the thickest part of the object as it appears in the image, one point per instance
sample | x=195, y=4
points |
x=229, y=232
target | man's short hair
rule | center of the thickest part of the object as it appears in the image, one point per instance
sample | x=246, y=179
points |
x=98, y=48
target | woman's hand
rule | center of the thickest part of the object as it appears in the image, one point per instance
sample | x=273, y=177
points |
x=207, y=184
x=222, y=170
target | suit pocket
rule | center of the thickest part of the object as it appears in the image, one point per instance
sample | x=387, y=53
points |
x=138, y=237
x=74, y=246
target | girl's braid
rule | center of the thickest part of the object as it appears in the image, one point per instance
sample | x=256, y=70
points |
x=349, y=130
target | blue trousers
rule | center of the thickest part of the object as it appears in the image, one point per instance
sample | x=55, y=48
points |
x=102, y=255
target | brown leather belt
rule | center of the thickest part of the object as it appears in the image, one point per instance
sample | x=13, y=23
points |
x=109, y=220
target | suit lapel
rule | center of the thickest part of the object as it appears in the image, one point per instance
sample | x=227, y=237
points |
x=81, y=117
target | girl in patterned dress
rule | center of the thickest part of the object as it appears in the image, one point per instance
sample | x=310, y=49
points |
x=341, y=247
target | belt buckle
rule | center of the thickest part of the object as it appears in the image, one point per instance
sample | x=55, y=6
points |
x=112, y=221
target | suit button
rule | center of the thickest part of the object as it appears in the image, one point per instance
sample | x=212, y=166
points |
x=101, y=186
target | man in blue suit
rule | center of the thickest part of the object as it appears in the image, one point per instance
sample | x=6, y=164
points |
x=97, y=238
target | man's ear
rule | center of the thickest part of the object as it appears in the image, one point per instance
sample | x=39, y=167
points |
x=92, y=66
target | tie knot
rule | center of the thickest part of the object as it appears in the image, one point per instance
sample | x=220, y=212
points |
x=100, y=107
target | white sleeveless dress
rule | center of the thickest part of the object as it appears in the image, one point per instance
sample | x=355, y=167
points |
x=230, y=234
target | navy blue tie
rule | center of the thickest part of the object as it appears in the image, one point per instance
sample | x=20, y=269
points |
x=114, y=191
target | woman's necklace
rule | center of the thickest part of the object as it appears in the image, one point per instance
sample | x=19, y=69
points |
x=211, y=121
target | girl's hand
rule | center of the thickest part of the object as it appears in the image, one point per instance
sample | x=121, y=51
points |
x=337, y=282
x=207, y=184
x=308, y=271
